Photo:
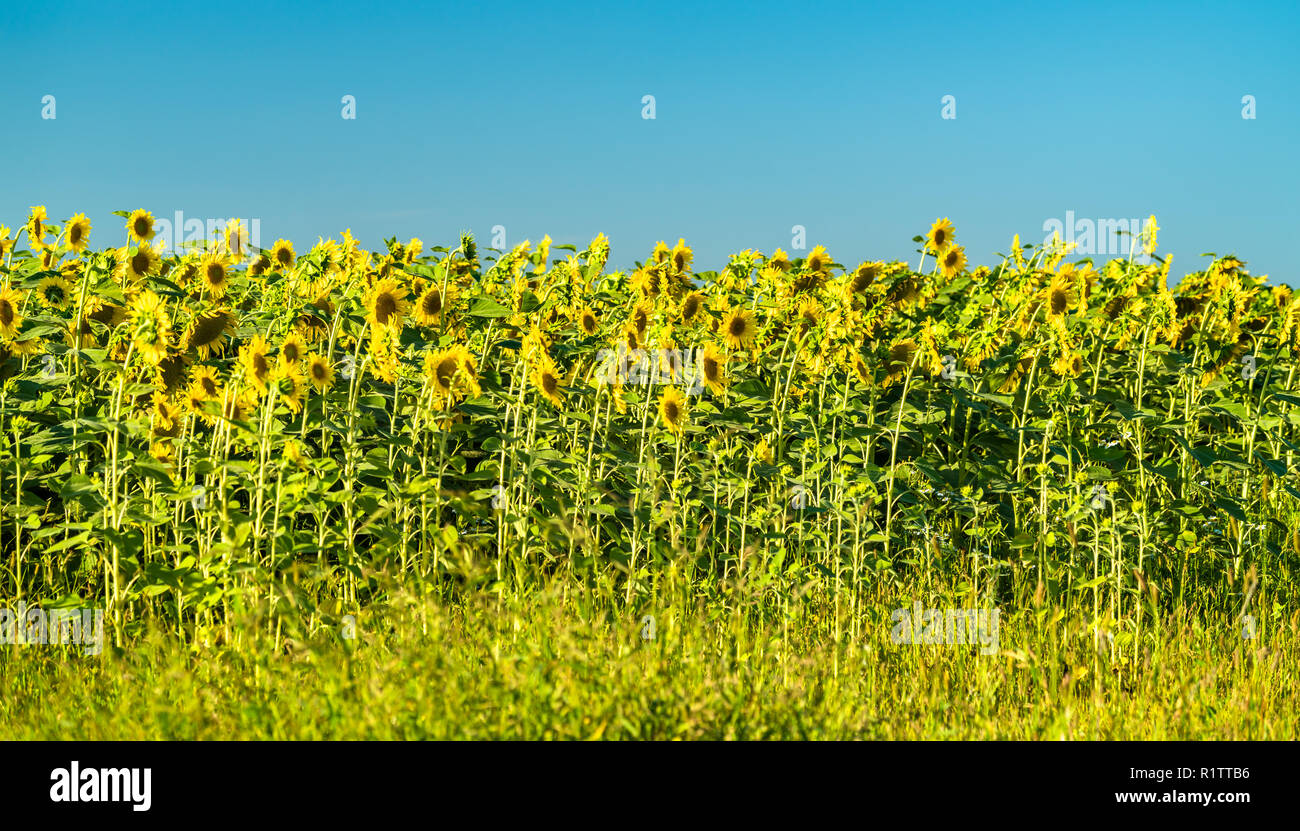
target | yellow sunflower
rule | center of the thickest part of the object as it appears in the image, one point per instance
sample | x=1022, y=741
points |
x=428, y=309
x=257, y=366
x=293, y=349
x=151, y=326
x=140, y=226
x=386, y=304
x=691, y=306
x=214, y=273
x=204, y=384
x=319, y=372
x=779, y=259
x=134, y=266
x=36, y=230
x=282, y=255
x=77, y=232
x=818, y=259
x=713, y=368
x=587, y=321
x=940, y=236
x=682, y=256
x=11, y=318
x=672, y=409
x=547, y=380
x=207, y=332
x=55, y=292
x=738, y=329
x=952, y=261
x=291, y=383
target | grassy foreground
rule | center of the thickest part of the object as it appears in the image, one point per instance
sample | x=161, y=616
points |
x=561, y=664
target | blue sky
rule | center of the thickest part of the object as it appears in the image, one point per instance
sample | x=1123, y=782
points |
x=768, y=115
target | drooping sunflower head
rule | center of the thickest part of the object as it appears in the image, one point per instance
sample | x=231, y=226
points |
x=809, y=313
x=672, y=409
x=386, y=305
x=282, y=255
x=36, y=230
x=940, y=236
x=291, y=385
x=587, y=321
x=738, y=329
x=204, y=384
x=139, y=225
x=257, y=366
x=1059, y=294
x=865, y=275
x=55, y=292
x=77, y=233
x=691, y=306
x=682, y=257
x=780, y=260
x=208, y=330
x=428, y=309
x=547, y=380
x=713, y=363
x=818, y=259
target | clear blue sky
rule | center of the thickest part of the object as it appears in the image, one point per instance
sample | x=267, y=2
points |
x=768, y=115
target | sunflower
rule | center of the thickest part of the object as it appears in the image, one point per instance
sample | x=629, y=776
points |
x=861, y=369
x=36, y=227
x=940, y=236
x=672, y=409
x=134, y=266
x=640, y=319
x=260, y=265
x=1059, y=294
x=78, y=232
x=587, y=321
x=809, y=313
x=55, y=292
x=151, y=326
x=646, y=281
x=901, y=355
x=204, y=384
x=387, y=305
x=952, y=261
x=691, y=306
x=207, y=332
x=428, y=309
x=452, y=372
x=10, y=317
x=713, y=368
x=140, y=226
x=319, y=372
x=547, y=380
x=779, y=259
x=165, y=419
x=236, y=238
x=291, y=383
x=282, y=255
x=818, y=260
x=257, y=366
x=738, y=328
x=682, y=256
x=214, y=273
x=865, y=275
x=292, y=349
x=413, y=249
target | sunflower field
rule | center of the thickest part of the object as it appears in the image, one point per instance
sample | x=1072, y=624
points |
x=645, y=502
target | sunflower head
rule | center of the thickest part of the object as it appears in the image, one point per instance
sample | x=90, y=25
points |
x=547, y=380
x=738, y=329
x=713, y=368
x=208, y=330
x=282, y=255
x=386, y=304
x=587, y=322
x=940, y=236
x=36, y=229
x=691, y=306
x=150, y=326
x=139, y=225
x=319, y=372
x=672, y=409
x=11, y=318
x=952, y=261
x=257, y=366
x=77, y=233
x=55, y=292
